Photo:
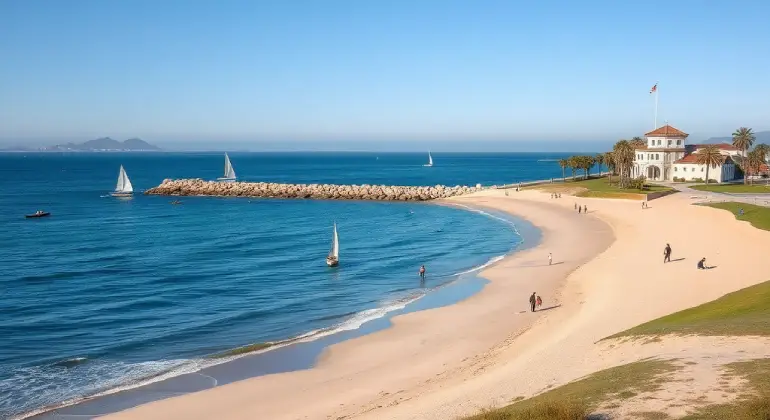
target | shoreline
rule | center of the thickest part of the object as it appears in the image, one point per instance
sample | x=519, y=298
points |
x=307, y=348
x=478, y=324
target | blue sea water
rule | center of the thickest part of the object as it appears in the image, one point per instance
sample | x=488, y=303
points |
x=108, y=292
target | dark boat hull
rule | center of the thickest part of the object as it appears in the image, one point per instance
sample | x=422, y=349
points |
x=36, y=216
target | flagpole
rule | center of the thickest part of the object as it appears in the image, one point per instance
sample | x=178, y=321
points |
x=656, y=105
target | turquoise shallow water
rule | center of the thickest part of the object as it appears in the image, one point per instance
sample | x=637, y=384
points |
x=110, y=292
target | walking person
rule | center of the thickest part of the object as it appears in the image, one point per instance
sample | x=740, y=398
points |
x=550, y=259
x=533, y=301
x=579, y=209
x=667, y=254
x=539, y=302
x=585, y=208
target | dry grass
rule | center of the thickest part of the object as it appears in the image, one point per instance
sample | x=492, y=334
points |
x=577, y=400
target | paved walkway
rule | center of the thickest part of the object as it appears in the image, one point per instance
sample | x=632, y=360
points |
x=715, y=197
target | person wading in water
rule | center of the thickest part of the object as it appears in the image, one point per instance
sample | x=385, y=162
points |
x=422, y=272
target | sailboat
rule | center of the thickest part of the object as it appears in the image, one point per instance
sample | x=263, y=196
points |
x=229, y=171
x=430, y=160
x=124, y=187
x=333, y=259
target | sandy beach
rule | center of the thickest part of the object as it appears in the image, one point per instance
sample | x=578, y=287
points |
x=444, y=363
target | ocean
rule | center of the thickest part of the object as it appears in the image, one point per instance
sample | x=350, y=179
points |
x=108, y=293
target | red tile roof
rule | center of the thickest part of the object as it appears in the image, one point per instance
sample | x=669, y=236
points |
x=720, y=146
x=692, y=158
x=666, y=131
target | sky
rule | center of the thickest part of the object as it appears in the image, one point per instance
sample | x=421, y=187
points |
x=288, y=72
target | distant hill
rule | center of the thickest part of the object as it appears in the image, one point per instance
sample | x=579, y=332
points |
x=104, y=144
x=761, y=137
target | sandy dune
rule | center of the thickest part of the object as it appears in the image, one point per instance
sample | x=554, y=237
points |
x=488, y=350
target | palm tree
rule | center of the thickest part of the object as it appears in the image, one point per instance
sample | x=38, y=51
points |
x=763, y=150
x=588, y=162
x=623, y=155
x=609, y=160
x=743, y=138
x=710, y=157
x=572, y=163
x=599, y=159
x=755, y=160
x=637, y=142
x=563, y=163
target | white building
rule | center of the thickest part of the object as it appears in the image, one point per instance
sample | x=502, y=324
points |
x=667, y=155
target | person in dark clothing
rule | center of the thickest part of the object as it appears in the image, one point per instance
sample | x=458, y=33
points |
x=422, y=272
x=702, y=264
x=667, y=254
x=585, y=208
x=533, y=301
x=579, y=209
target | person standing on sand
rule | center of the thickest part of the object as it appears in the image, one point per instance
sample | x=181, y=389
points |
x=533, y=301
x=539, y=302
x=576, y=206
x=422, y=272
x=667, y=254
x=550, y=259
x=585, y=208
x=579, y=209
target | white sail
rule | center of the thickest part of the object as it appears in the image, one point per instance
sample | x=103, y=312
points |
x=124, y=184
x=229, y=171
x=335, y=251
x=430, y=159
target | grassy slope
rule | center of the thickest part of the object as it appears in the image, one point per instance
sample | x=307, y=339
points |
x=758, y=216
x=744, y=312
x=576, y=400
x=733, y=188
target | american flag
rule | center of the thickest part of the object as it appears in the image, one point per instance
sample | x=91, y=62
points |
x=654, y=88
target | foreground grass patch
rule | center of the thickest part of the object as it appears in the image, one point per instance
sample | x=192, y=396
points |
x=576, y=400
x=753, y=404
x=758, y=216
x=743, y=312
x=733, y=188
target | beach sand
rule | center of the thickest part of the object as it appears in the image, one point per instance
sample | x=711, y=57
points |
x=489, y=349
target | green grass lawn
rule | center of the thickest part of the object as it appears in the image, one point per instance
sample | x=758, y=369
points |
x=602, y=188
x=576, y=400
x=733, y=188
x=758, y=216
x=744, y=312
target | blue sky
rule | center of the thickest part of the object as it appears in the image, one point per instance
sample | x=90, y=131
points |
x=365, y=71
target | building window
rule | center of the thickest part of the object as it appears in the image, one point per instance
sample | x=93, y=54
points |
x=675, y=168
x=701, y=168
x=657, y=157
x=669, y=142
x=678, y=142
x=658, y=142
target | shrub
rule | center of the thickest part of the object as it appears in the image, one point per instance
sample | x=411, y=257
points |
x=697, y=179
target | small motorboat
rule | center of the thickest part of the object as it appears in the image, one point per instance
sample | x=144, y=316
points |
x=39, y=213
x=175, y=202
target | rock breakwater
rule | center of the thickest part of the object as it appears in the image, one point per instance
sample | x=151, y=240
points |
x=193, y=187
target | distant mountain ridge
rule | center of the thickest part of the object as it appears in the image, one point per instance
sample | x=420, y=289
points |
x=761, y=137
x=104, y=144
